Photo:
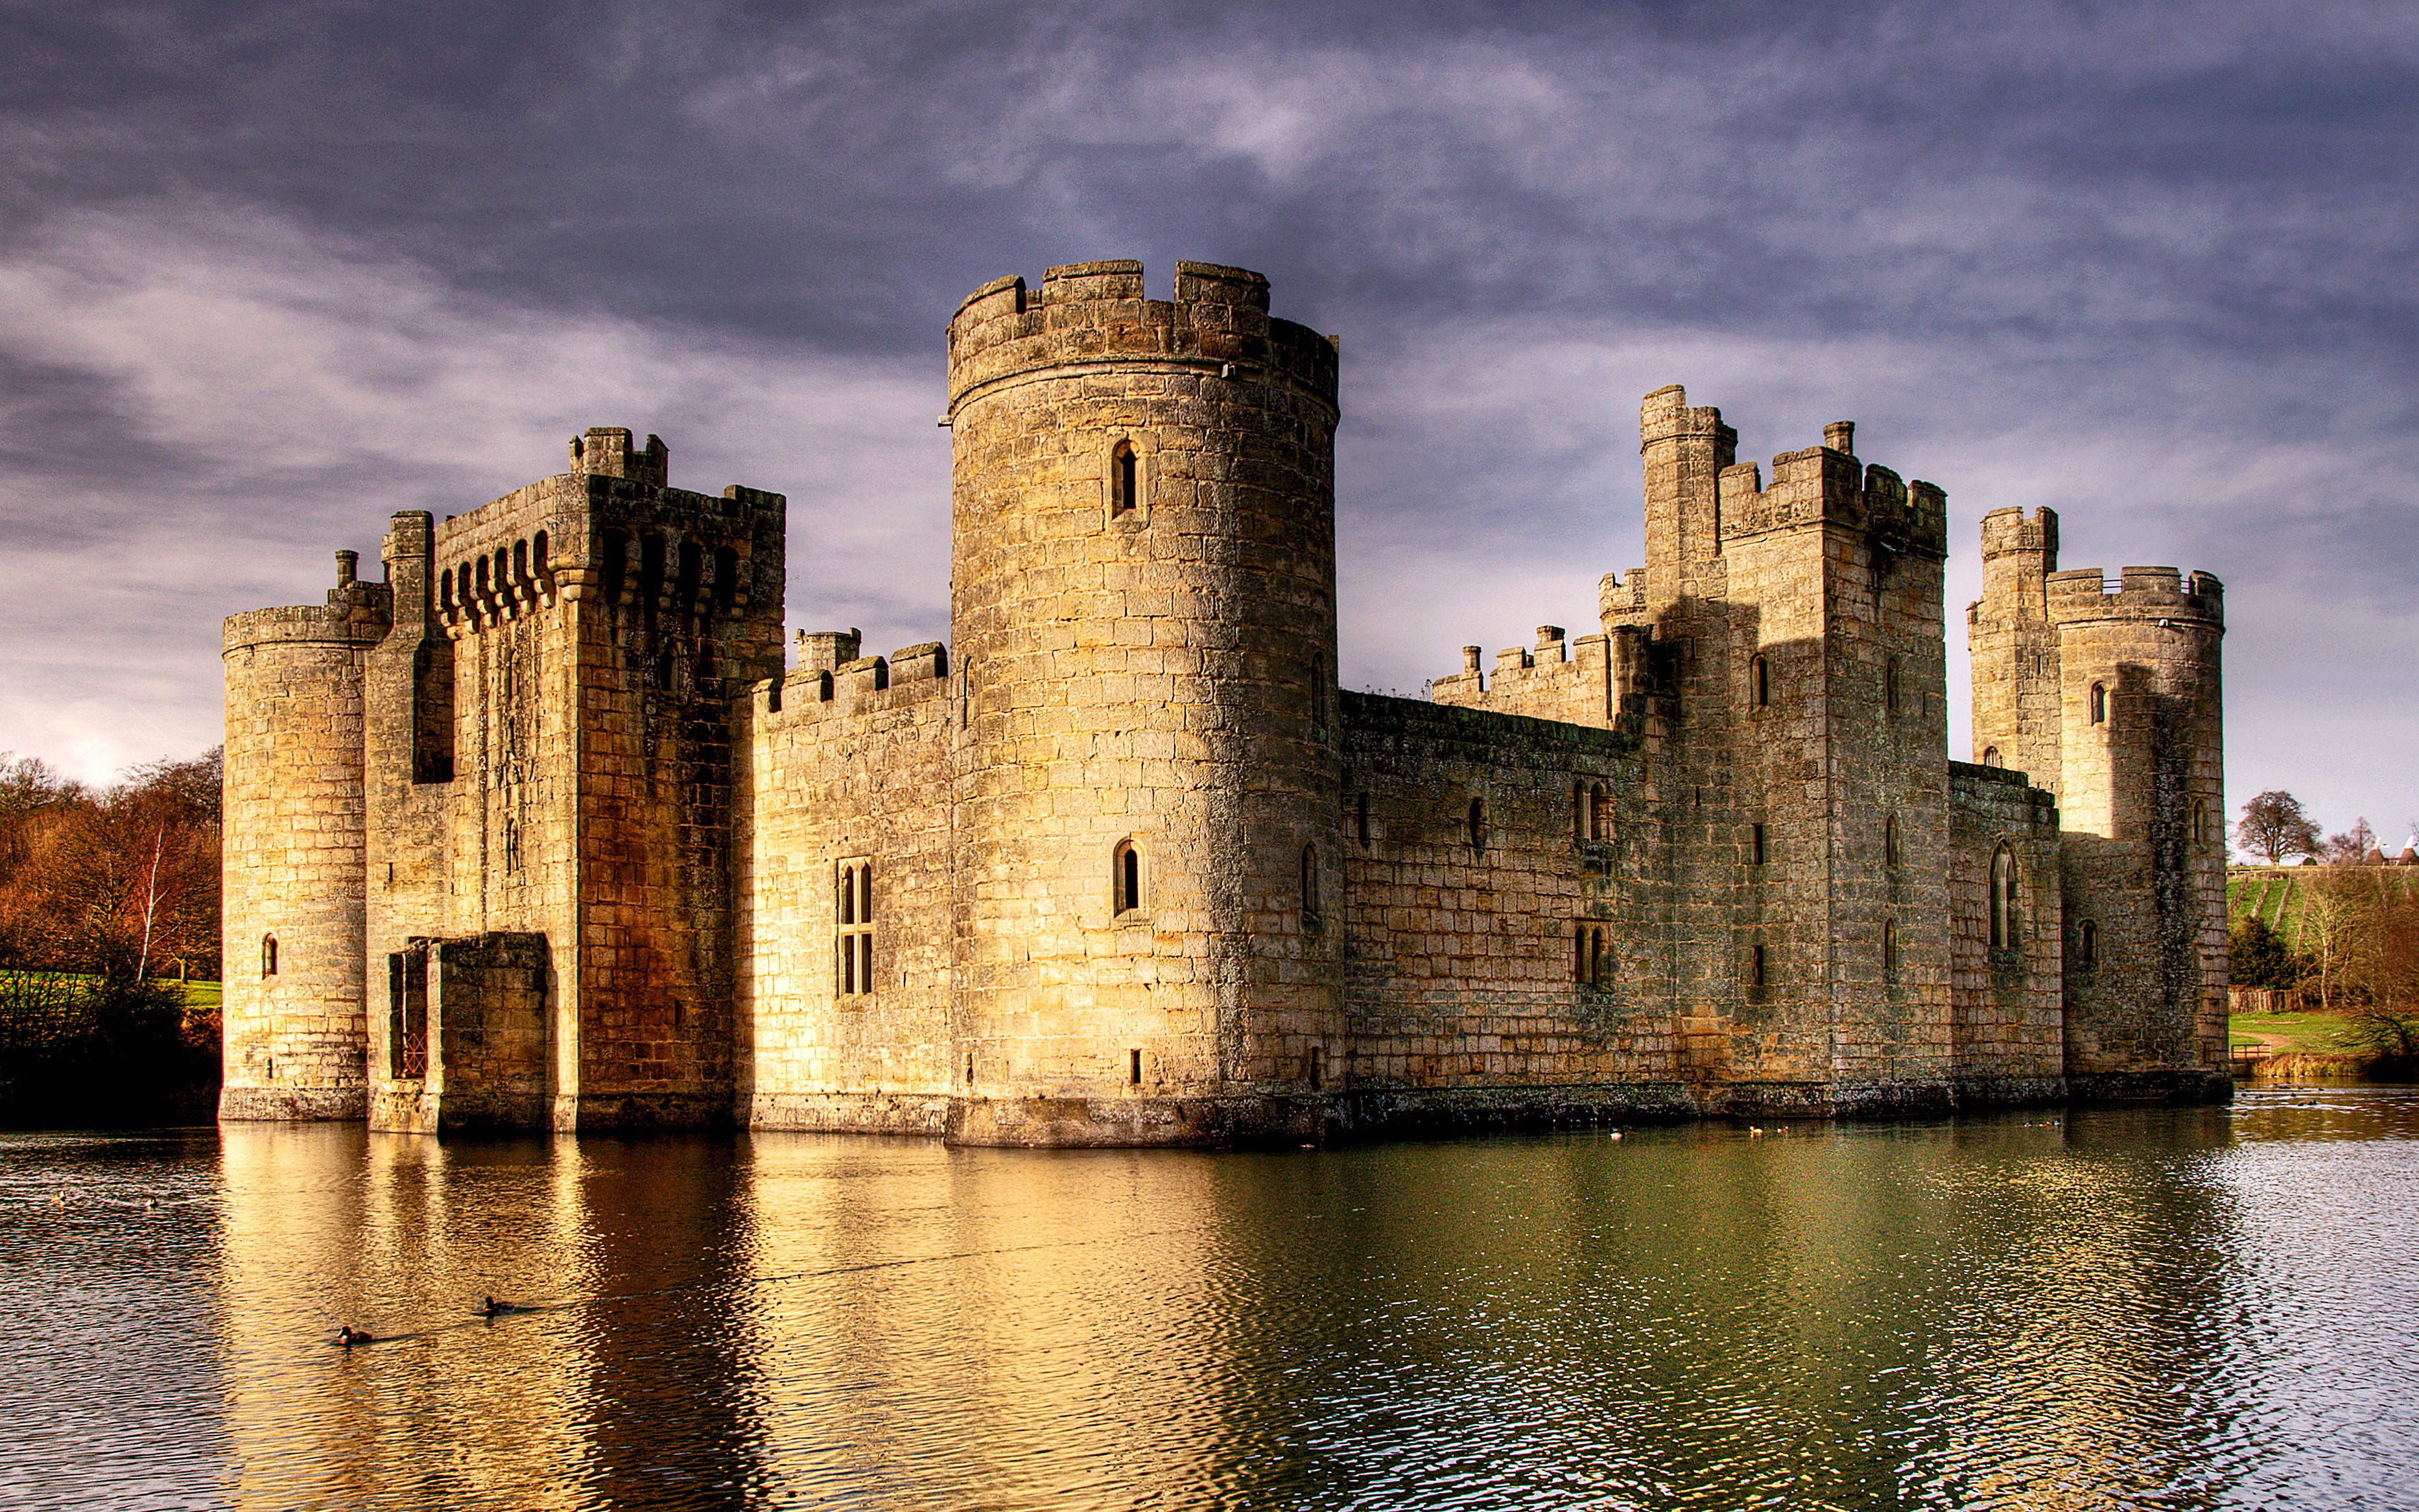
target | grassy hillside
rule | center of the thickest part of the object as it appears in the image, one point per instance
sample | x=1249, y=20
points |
x=2276, y=894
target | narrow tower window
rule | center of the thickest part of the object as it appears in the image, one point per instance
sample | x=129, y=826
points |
x=853, y=966
x=1889, y=685
x=1755, y=843
x=1759, y=675
x=1126, y=865
x=1311, y=919
x=2087, y=944
x=1478, y=824
x=1361, y=817
x=2003, y=899
x=1755, y=966
x=2200, y=822
x=726, y=578
x=1890, y=841
x=1599, y=813
x=1889, y=945
x=686, y=579
x=2099, y=703
x=1125, y=483
x=1592, y=952
x=269, y=955
x=1134, y=1069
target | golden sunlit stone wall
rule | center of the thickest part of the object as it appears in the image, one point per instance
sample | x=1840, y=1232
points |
x=293, y=1010
x=848, y=764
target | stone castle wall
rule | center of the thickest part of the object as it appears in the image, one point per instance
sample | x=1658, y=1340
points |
x=848, y=765
x=294, y=873
x=2008, y=1016
x=548, y=836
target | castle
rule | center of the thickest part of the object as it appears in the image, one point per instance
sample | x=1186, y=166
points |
x=547, y=830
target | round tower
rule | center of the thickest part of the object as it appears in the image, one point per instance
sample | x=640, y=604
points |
x=294, y=1028
x=1147, y=893
x=2141, y=787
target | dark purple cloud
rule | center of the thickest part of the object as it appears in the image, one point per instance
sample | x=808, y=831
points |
x=269, y=271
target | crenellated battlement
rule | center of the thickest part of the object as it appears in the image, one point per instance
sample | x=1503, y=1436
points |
x=832, y=679
x=2084, y=594
x=1827, y=485
x=356, y=613
x=2007, y=533
x=1217, y=325
x=606, y=452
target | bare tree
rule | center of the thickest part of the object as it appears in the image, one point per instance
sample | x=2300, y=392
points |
x=2273, y=826
x=119, y=883
x=2381, y=969
x=2352, y=846
x=2324, y=936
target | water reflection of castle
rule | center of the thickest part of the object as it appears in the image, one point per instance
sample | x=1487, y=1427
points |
x=540, y=831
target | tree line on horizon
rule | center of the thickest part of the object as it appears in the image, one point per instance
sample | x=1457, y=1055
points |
x=109, y=903
x=2275, y=826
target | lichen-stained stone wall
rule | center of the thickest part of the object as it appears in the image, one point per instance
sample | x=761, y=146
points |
x=2006, y=998
x=848, y=765
x=2115, y=690
x=294, y=1027
x=2141, y=793
x=1530, y=950
x=1143, y=606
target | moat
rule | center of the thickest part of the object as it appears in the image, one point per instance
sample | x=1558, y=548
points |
x=2174, y=1308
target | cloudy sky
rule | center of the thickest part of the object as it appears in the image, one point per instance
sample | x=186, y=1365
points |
x=270, y=272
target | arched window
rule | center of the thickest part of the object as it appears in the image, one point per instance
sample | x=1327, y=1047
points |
x=854, y=910
x=1126, y=867
x=1125, y=479
x=1889, y=945
x=538, y=553
x=1478, y=824
x=1890, y=841
x=269, y=955
x=482, y=576
x=2087, y=944
x=1599, y=813
x=1758, y=682
x=1990, y=755
x=445, y=589
x=2003, y=899
x=1592, y=955
x=2099, y=703
x=1310, y=914
x=1889, y=685
x=520, y=567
